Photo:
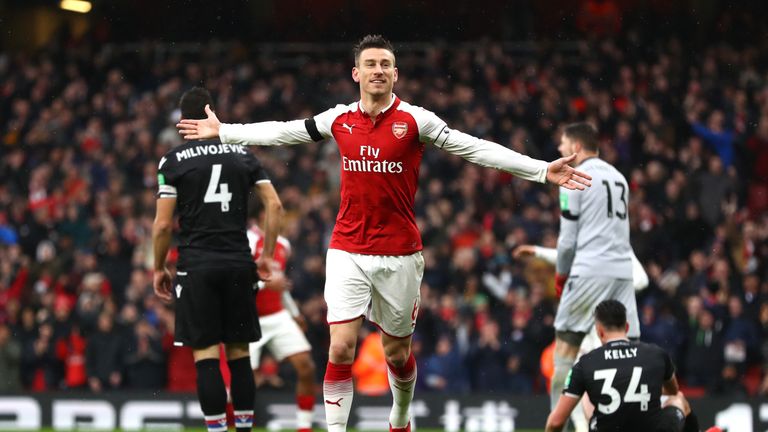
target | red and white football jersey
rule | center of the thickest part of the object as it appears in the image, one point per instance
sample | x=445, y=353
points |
x=380, y=162
x=268, y=301
x=379, y=174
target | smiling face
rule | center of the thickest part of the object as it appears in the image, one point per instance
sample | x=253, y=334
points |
x=375, y=71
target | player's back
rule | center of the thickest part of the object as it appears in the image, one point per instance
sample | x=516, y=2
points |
x=602, y=244
x=211, y=182
x=623, y=380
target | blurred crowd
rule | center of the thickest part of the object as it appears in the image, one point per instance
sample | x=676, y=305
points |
x=83, y=128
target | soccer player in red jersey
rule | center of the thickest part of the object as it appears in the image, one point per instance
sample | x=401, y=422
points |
x=374, y=262
x=280, y=331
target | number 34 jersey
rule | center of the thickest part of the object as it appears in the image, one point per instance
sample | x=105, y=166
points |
x=211, y=182
x=623, y=380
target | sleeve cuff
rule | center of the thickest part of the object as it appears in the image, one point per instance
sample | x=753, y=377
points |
x=543, y=167
x=224, y=133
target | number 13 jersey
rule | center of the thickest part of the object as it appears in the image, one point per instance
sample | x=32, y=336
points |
x=598, y=218
x=623, y=380
x=211, y=182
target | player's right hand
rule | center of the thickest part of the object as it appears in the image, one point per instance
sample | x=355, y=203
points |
x=162, y=284
x=264, y=267
x=200, y=129
x=277, y=281
x=524, y=251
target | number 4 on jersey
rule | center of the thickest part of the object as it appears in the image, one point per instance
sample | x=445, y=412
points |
x=223, y=195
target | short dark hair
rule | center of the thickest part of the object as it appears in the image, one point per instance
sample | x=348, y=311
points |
x=193, y=102
x=584, y=133
x=611, y=314
x=371, y=41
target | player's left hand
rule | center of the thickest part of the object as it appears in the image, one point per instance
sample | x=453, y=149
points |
x=162, y=284
x=562, y=174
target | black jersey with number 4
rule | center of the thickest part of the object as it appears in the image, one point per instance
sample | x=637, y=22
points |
x=211, y=182
x=623, y=380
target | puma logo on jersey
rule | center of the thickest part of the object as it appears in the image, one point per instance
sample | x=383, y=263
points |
x=337, y=403
x=349, y=128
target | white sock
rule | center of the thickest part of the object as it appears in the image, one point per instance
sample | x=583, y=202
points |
x=303, y=419
x=337, y=396
x=402, y=387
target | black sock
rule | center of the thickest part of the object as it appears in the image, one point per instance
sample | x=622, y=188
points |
x=210, y=387
x=691, y=423
x=243, y=392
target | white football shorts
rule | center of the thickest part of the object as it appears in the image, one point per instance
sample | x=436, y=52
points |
x=281, y=336
x=581, y=295
x=382, y=288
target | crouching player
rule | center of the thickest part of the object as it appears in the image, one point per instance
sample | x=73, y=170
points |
x=624, y=380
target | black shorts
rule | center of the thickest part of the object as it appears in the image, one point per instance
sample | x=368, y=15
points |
x=215, y=306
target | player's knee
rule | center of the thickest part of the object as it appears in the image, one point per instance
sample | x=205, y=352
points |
x=235, y=351
x=567, y=344
x=306, y=375
x=305, y=367
x=342, y=351
x=397, y=358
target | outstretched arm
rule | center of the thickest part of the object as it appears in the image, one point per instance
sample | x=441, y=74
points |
x=263, y=133
x=489, y=154
x=547, y=254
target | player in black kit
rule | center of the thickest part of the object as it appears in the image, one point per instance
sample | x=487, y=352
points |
x=624, y=380
x=210, y=182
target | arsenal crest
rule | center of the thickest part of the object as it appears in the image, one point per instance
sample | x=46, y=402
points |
x=399, y=129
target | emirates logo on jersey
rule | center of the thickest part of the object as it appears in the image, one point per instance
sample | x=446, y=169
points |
x=399, y=129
